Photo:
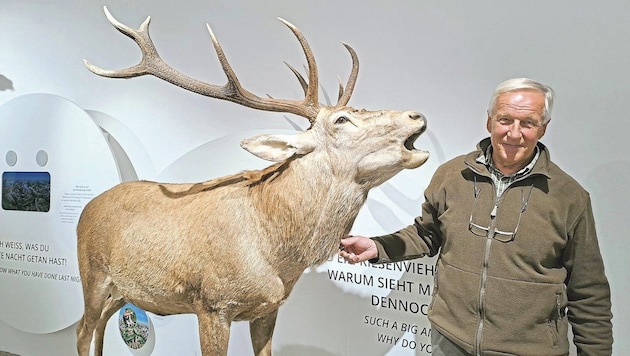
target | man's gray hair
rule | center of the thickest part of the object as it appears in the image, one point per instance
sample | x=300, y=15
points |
x=520, y=84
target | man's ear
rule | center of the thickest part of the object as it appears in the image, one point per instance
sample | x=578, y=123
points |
x=277, y=148
x=489, y=124
x=543, y=129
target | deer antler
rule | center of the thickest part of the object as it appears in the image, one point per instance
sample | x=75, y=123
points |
x=344, y=96
x=152, y=64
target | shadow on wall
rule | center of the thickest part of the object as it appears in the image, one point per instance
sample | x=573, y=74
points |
x=5, y=83
x=611, y=201
x=608, y=184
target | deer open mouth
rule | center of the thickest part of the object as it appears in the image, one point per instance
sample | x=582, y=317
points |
x=412, y=139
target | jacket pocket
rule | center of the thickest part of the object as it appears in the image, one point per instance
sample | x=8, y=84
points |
x=556, y=319
x=525, y=316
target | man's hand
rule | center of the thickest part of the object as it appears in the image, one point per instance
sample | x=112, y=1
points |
x=356, y=249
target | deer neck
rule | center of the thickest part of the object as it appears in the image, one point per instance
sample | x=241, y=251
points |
x=324, y=201
x=325, y=190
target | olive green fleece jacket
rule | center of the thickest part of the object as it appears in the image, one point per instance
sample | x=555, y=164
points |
x=510, y=298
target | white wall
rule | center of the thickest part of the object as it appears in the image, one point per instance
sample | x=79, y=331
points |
x=441, y=58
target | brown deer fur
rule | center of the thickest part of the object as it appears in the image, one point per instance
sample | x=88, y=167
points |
x=232, y=248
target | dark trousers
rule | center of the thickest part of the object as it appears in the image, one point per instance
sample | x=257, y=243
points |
x=441, y=346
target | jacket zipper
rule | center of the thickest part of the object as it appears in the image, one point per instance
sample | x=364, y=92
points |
x=484, y=275
x=486, y=259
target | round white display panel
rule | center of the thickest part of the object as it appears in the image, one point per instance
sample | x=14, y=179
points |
x=136, y=330
x=56, y=161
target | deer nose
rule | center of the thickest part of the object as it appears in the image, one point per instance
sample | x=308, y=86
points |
x=418, y=116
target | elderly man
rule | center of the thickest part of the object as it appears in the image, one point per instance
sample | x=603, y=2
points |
x=518, y=254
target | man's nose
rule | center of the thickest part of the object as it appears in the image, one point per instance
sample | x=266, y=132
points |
x=514, y=130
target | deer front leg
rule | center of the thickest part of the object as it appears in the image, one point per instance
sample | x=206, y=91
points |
x=214, y=333
x=261, y=331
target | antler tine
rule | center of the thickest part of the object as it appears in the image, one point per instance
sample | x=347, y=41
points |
x=152, y=64
x=304, y=84
x=340, y=94
x=141, y=37
x=344, y=96
x=310, y=98
x=299, y=77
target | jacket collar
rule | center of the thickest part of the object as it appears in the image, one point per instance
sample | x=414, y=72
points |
x=541, y=167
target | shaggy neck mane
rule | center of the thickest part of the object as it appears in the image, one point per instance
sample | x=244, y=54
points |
x=245, y=178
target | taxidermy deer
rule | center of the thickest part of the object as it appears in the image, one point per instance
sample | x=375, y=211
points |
x=232, y=248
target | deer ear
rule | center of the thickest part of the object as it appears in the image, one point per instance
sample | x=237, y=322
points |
x=278, y=148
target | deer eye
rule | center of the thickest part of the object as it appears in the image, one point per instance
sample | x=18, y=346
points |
x=341, y=120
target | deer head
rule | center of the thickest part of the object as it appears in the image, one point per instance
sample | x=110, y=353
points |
x=342, y=125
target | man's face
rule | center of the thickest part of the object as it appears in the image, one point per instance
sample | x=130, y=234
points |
x=515, y=126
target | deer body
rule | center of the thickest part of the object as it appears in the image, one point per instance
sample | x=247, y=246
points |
x=233, y=248
x=208, y=244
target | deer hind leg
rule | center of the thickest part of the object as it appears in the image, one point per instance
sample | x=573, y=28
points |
x=96, y=295
x=214, y=332
x=261, y=331
x=111, y=306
